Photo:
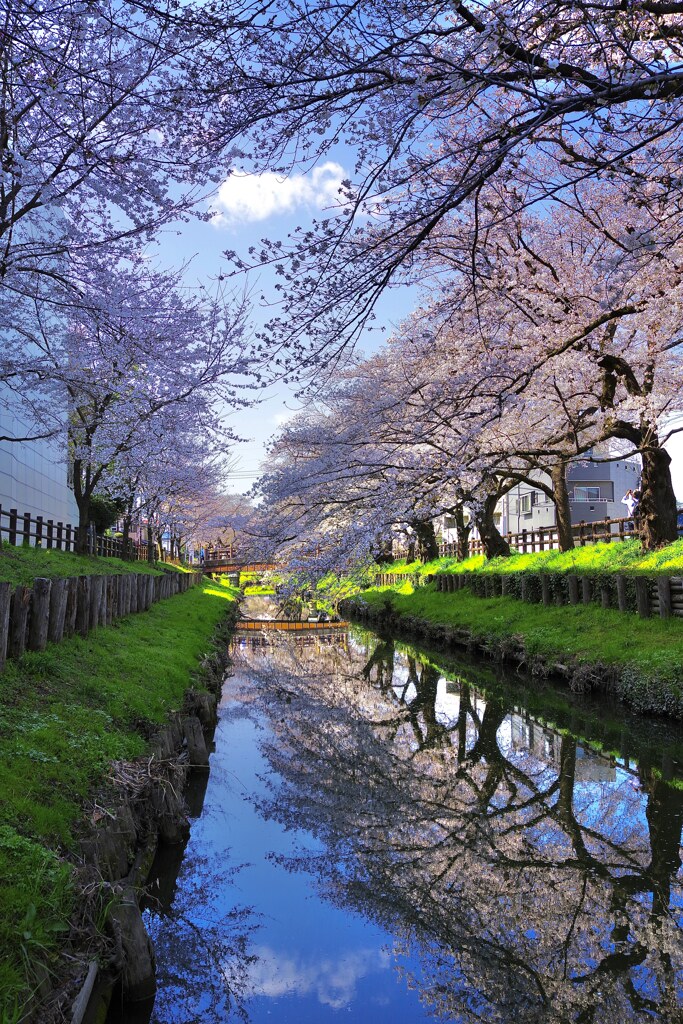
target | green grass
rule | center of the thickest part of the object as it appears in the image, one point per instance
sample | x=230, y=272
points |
x=620, y=556
x=21, y=565
x=587, y=633
x=65, y=713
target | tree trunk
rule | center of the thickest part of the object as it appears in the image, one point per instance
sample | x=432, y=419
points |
x=565, y=534
x=83, y=525
x=125, y=539
x=463, y=530
x=428, y=547
x=655, y=515
x=495, y=546
x=150, y=544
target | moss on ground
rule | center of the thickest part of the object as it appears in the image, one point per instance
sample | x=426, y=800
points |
x=65, y=714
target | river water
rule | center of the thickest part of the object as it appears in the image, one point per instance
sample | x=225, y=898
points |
x=394, y=836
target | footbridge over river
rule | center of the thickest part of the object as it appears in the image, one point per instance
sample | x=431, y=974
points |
x=263, y=613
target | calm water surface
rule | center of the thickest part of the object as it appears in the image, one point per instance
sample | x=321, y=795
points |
x=386, y=837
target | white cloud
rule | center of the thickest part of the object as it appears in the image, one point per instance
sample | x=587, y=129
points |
x=253, y=197
x=334, y=982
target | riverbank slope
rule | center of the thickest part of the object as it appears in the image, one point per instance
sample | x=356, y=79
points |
x=67, y=715
x=591, y=648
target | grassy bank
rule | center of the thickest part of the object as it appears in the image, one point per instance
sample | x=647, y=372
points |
x=65, y=714
x=21, y=565
x=620, y=556
x=648, y=653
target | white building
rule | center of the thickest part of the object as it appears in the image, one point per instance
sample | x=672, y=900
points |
x=33, y=474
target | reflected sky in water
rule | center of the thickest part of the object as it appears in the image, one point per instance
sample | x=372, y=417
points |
x=378, y=842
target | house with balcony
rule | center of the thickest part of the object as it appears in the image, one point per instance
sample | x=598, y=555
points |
x=595, y=493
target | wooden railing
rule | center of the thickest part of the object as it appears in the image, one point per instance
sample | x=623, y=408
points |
x=546, y=538
x=23, y=528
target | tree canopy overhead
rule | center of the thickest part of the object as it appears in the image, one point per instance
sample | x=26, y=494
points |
x=447, y=104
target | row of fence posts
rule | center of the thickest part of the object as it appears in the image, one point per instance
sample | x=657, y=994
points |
x=661, y=596
x=546, y=538
x=46, y=533
x=51, y=610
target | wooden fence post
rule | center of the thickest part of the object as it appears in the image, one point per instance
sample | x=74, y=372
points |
x=39, y=531
x=95, y=601
x=643, y=597
x=545, y=588
x=582, y=533
x=83, y=605
x=605, y=596
x=608, y=530
x=40, y=614
x=71, y=606
x=586, y=589
x=12, y=531
x=50, y=534
x=60, y=532
x=622, y=601
x=664, y=592
x=26, y=528
x=21, y=603
x=58, y=599
x=5, y=602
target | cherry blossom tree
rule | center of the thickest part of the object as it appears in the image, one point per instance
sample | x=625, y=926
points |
x=444, y=105
x=140, y=361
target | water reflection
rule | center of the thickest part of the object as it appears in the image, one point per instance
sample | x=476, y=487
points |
x=511, y=872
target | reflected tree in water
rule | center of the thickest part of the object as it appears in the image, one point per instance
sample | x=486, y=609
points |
x=533, y=881
x=205, y=955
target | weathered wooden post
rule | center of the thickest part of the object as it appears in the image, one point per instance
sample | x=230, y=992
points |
x=26, y=528
x=664, y=592
x=12, y=531
x=622, y=600
x=71, y=606
x=83, y=605
x=21, y=603
x=50, y=534
x=60, y=532
x=586, y=589
x=643, y=597
x=573, y=588
x=605, y=596
x=95, y=600
x=582, y=533
x=58, y=597
x=40, y=614
x=39, y=531
x=545, y=589
x=5, y=603
x=608, y=530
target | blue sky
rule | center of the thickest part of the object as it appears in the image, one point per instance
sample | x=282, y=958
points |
x=247, y=209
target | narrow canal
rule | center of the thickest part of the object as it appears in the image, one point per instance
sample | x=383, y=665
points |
x=392, y=836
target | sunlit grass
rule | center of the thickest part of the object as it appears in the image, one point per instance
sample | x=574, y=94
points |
x=619, y=556
x=21, y=565
x=65, y=714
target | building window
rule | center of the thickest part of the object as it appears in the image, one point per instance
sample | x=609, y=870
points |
x=586, y=493
x=527, y=500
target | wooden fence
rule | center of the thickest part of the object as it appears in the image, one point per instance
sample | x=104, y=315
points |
x=55, y=609
x=647, y=596
x=546, y=537
x=23, y=528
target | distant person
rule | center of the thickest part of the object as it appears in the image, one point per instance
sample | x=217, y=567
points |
x=630, y=499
